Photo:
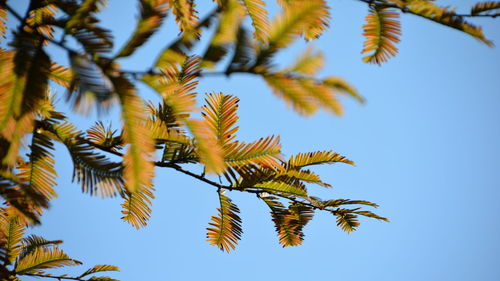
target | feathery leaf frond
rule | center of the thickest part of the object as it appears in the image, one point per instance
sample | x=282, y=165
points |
x=185, y=14
x=104, y=136
x=137, y=206
x=225, y=230
x=288, y=222
x=152, y=14
x=308, y=63
x=33, y=242
x=445, y=16
x=44, y=258
x=486, y=8
x=12, y=234
x=137, y=162
x=3, y=19
x=220, y=116
x=60, y=74
x=94, y=85
x=265, y=152
x=286, y=27
x=231, y=16
x=346, y=220
x=260, y=21
x=99, y=268
x=301, y=160
x=341, y=86
x=40, y=172
x=382, y=31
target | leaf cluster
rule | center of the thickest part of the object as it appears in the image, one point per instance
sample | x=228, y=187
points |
x=121, y=161
x=33, y=255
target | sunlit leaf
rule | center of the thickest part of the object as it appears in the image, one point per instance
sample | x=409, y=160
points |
x=152, y=14
x=382, y=31
x=225, y=229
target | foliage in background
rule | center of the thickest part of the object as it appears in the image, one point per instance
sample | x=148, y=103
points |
x=166, y=134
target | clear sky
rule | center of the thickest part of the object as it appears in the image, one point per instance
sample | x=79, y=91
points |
x=425, y=144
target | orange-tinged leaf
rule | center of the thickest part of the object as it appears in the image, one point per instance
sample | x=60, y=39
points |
x=382, y=31
x=260, y=21
x=225, y=229
x=138, y=160
x=486, y=8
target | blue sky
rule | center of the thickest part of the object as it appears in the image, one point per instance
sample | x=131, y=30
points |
x=425, y=144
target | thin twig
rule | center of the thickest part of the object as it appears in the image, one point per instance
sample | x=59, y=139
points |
x=53, y=276
x=406, y=10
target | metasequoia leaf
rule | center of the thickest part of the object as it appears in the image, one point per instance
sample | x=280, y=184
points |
x=382, y=31
x=152, y=14
x=41, y=19
x=257, y=12
x=40, y=172
x=288, y=222
x=95, y=172
x=137, y=161
x=321, y=95
x=283, y=185
x=341, y=86
x=293, y=93
x=60, y=74
x=444, y=16
x=341, y=202
x=177, y=89
x=176, y=53
x=346, y=220
x=3, y=19
x=94, y=85
x=308, y=63
x=22, y=200
x=304, y=176
x=93, y=38
x=99, y=268
x=265, y=152
x=220, y=116
x=12, y=234
x=185, y=14
x=13, y=133
x=225, y=230
x=104, y=136
x=226, y=34
x=286, y=27
x=210, y=152
x=137, y=206
x=44, y=258
x=486, y=8
x=86, y=9
x=371, y=215
x=33, y=242
x=177, y=85
x=322, y=22
x=27, y=66
x=314, y=158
